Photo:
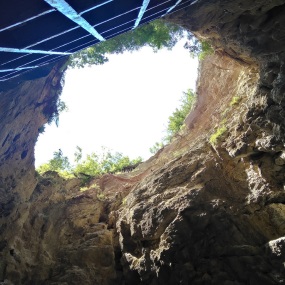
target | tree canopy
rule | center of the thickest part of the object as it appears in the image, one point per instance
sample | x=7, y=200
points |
x=58, y=163
x=156, y=34
x=92, y=165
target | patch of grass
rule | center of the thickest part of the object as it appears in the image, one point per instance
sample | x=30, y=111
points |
x=82, y=189
x=217, y=135
x=92, y=186
x=66, y=175
x=235, y=100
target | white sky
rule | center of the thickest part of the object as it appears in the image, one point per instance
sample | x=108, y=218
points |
x=123, y=105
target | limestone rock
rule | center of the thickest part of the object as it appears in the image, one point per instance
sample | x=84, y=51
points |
x=197, y=212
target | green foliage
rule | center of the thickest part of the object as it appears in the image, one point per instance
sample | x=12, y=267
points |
x=156, y=34
x=54, y=106
x=41, y=129
x=92, y=186
x=53, y=109
x=85, y=188
x=66, y=174
x=217, y=135
x=235, y=100
x=107, y=162
x=214, y=138
x=78, y=154
x=157, y=146
x=206, y=49
x=176, y=120
x=60, y=107
x=198, y=48
x=92, y=165
x=59, y=163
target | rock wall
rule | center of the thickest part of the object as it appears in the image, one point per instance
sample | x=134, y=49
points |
x=215, y=213
x=211, y=214
x=24, y=106
x=204, y=210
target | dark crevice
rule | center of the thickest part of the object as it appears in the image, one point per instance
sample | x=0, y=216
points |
x=4, y=142
x=24, y=154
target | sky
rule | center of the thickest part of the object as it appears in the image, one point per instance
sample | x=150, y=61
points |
x=122, y=105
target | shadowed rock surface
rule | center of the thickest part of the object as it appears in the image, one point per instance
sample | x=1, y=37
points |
x=196, y=212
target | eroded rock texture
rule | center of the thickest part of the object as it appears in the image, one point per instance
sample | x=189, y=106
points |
x=195, y=213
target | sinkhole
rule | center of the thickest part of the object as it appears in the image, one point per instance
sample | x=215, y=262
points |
x=122, y=105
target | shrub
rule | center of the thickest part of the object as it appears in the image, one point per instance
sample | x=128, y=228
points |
x=92, y=165
x=217, y=135
x=59, y=163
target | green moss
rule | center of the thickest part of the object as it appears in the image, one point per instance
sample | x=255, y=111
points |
x=93, y=186
x=235, y=100
x=82, y=189
x=217, y=135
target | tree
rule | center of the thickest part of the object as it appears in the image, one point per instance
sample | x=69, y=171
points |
x=156, y=34
x=78, y=154
x=176, y=120
x=106, y=162
x=93, y=165
x=59, y=163
x=156, y=147
x=90, y=166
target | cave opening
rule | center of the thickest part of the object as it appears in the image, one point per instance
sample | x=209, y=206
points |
x=122, y=105
x=203, y=211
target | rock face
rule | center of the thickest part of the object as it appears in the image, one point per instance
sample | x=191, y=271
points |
x=64, y=240
x=213, y=213
x=207, y=209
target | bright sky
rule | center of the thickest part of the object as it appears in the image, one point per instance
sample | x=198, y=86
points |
x=123, y=105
